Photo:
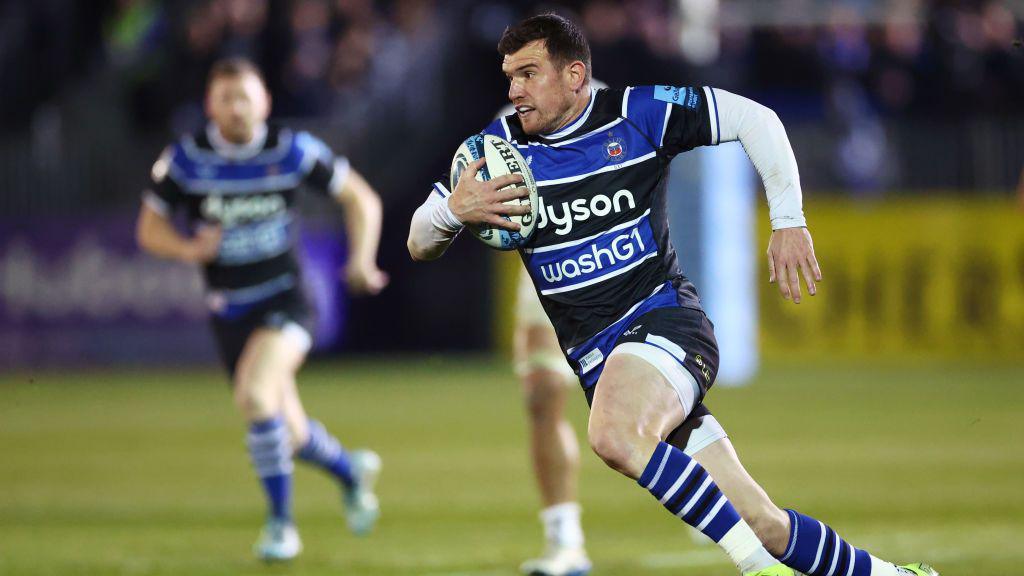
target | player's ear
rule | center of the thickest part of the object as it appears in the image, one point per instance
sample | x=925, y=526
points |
x=577, y=72
x=208, y=103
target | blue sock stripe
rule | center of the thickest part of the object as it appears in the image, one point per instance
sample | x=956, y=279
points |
x=860, y=559
x=822, y=536
x=676, y=468
x=842, y=559
x=680, y=488
x=702, y=507
x=325, y=451
x=817, y=550
x=267, y=425
x=695, y=496
x=654, y=467
x=271, y=453
x=829, y=552
x=686, y=490
x=685, y=493
x=722, y=521
x=794, y=528
x=262, y=439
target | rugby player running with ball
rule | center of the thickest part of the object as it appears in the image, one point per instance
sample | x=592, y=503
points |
x=629, y=323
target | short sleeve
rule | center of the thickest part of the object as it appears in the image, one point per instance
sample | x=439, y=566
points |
x=675, y=119
x=324, y=171
x=163, y=195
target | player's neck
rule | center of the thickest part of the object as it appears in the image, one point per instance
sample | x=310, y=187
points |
x=581, y=101
x=236, y=149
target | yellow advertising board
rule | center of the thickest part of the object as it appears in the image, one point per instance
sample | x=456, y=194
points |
x=927, y=278
x=918, y=277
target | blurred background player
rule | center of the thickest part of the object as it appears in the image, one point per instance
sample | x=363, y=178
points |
x=237, y=181
x=546, y=380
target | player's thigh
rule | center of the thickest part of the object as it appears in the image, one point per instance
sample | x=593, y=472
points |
x=634, y=408
x=268, y=363
x=539, y=362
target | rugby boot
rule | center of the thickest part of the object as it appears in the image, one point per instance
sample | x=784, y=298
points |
x=361, y=505
x=918, y=569
x=558, y=561
x=774, y=570
x=279, y=541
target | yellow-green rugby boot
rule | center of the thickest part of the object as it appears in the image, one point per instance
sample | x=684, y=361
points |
x=774, y=570
x=920, y=569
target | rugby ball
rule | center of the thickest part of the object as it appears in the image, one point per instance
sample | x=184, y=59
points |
x=502, y=158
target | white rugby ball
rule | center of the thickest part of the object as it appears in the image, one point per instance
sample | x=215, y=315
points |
x=502, y=158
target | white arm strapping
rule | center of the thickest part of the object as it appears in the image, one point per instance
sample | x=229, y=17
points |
x=433, y=228
x=763, y=136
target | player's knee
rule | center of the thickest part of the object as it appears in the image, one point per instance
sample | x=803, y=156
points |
x=544, y=395
x=615, y=446
x=771, y=526
x=255, y=401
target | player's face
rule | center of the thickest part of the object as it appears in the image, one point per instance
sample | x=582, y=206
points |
x=237, y=104
x=541, y=94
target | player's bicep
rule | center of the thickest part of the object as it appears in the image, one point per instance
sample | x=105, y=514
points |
x=691, y=118
x=163, y=195
x=323, y=171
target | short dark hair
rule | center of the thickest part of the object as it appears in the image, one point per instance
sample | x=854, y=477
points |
x=233, y=68
x=564, y=41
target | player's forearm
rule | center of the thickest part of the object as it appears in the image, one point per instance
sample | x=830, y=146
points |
x=363, y=216
x=155, y=235
x=433, y=228
x=764, y=138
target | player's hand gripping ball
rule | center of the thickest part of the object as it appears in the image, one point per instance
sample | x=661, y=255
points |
x=502, y=159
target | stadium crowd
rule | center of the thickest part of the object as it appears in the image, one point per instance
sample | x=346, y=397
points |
x=82, y=75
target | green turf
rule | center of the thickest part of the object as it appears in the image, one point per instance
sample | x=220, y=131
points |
x=143, y=472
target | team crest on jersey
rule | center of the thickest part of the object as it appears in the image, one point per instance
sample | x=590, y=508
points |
x=615, y=148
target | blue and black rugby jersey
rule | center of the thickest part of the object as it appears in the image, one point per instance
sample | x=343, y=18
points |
x=602, y=241
x=250, y=191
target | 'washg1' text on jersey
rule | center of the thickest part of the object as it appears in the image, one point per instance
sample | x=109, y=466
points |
x=601, y=244
x=250, y=192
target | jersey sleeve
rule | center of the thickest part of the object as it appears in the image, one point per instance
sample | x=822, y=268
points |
x=675, y=119
x=323, y=171
x=163, y=195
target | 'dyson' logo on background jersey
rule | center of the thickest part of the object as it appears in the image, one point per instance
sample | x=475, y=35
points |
x=582, y=209
x=233, y=210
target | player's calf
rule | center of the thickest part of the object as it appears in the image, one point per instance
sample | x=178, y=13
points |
x=771, y=525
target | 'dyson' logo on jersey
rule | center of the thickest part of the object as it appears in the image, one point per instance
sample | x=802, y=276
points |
x=233, y=210
x=582, y=209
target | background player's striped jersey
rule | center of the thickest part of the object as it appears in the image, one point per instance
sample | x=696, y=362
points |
x=602, y=242
x=250, y=191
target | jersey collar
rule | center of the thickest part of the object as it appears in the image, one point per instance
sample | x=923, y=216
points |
x=233, y=151
x=575, y=124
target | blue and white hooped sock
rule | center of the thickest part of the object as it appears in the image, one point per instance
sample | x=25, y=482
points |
x=816, y=550
x=271, y=452
x=686, y=490
x=325, y=451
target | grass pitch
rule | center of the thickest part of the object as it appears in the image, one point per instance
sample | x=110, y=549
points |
x=144, y=472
